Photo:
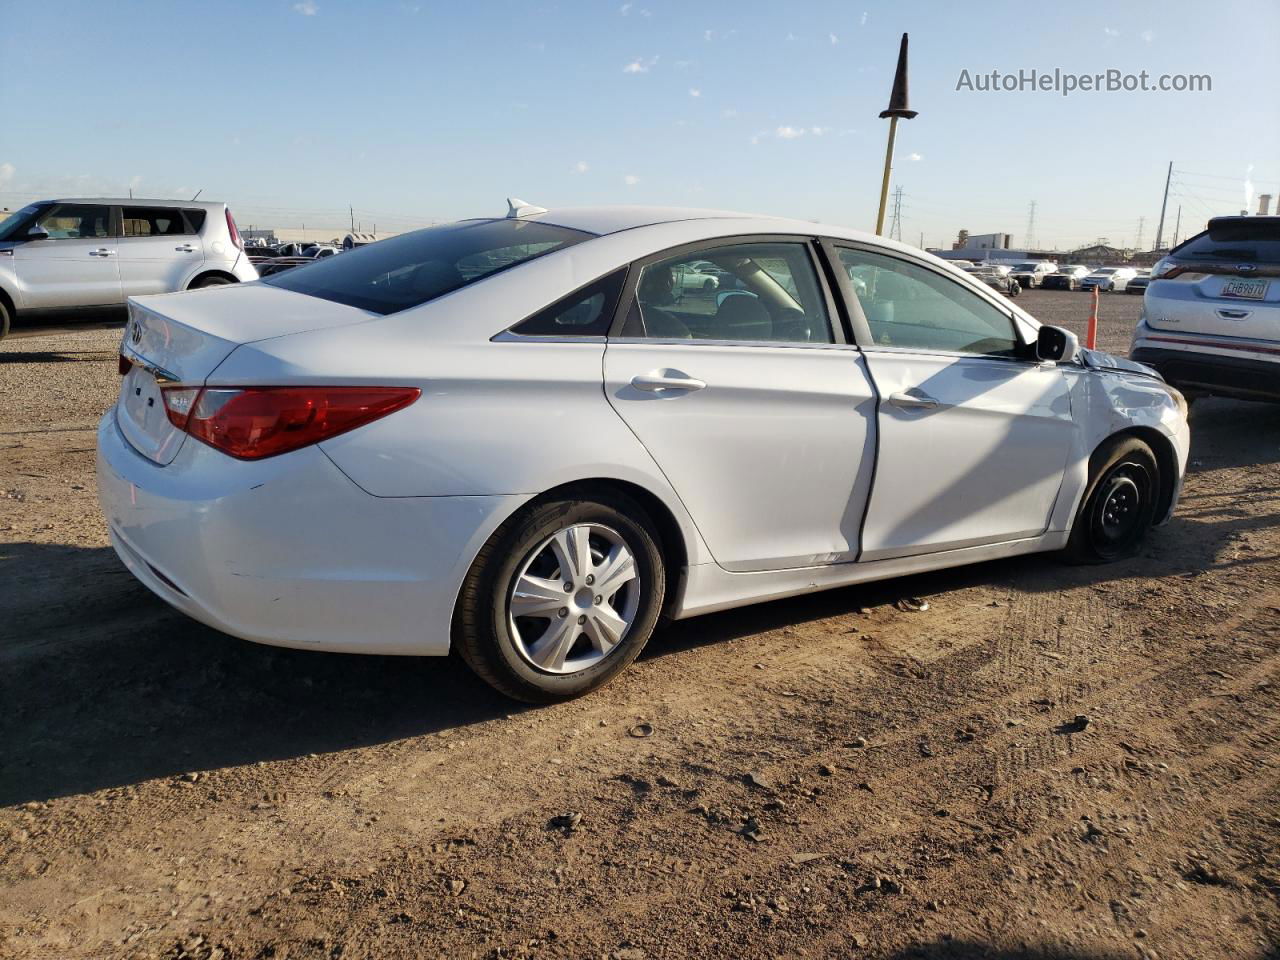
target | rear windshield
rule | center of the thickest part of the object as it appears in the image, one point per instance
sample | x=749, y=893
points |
x=414, y=268
x=1246, y=239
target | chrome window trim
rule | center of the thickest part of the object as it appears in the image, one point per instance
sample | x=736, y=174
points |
x=753, y=344
x=510, y=336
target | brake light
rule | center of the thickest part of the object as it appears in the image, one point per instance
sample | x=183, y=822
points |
x=1166, y=269
x=251, y=423
x=231, y=229
x=124, y=364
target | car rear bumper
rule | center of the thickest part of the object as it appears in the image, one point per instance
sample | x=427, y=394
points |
x=1199, y=363
x=288, y=551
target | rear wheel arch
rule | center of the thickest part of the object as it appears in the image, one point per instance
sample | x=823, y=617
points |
x=202, y=279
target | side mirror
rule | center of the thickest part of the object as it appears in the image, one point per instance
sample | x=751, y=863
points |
x=37, y=232
x=1056, y=344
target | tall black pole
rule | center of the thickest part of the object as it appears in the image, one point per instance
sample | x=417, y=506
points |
x=1163, y=205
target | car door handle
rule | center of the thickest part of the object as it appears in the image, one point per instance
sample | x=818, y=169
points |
x=102, y=252
x=653, y=383
x=185, y=248
x=913, y=401
x=1234, y=314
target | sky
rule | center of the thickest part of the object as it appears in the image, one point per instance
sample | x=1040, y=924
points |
x=416, y=111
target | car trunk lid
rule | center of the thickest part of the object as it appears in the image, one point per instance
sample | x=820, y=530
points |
x=1221, y=303
x=179, y=339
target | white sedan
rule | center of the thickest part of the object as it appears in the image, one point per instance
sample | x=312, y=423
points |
x=511, y=436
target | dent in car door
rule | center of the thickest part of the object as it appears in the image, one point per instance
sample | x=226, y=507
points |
x=972, y=451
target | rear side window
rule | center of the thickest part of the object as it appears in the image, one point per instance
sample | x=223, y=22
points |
x=415, y=268
x=154, y=222
x=584, y=313
x=195, y=219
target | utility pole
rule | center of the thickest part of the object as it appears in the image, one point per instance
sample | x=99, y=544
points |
x=1142, y=222
x=1177, y=226
x=1164, y=203
x=921, y=239
x=1031, y=226
x=351, y=210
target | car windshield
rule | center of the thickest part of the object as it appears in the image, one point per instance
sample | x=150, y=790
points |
x=414, y=268
x=1026, y=266
x=1106, y=270
x=11, y=225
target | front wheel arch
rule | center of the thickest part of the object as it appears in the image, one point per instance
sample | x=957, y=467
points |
x=1166, y=460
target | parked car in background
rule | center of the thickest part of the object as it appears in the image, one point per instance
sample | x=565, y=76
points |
x=506, y=436
x=1211, y=315
x=260, y=254
x=1065, y=278
x=80, y=254
x=1139, y=282
x=1109, y=279
x=1031, y=273
x=310, y=253
x=996, y=280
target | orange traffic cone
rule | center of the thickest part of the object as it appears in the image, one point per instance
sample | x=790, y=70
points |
x=1091, y=336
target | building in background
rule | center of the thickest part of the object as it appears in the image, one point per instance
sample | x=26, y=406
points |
x=982, y=241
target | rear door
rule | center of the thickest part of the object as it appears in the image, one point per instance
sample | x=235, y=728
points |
x=760, y=419
x=159, y=249
x=973, y=438
x=76, y=266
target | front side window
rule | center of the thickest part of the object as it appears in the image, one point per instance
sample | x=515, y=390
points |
x=912, y=307
x=415, y=268
x=752, y=292
x=76, y=221
x=153, y=222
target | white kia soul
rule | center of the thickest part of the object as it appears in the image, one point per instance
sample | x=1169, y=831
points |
x=74, y=255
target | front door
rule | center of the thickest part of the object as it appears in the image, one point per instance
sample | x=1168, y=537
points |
x=761, y=422
x=974, y=435
x=76, y=265
x=158, y=250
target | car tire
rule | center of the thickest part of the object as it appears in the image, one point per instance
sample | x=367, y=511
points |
x=708, y=286
x=214, y=280
x=4, y=319
x=566, y=653
x=1119, y=504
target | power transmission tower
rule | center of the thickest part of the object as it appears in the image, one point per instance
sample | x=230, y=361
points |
x=1031, y=226
x=1142, y=221
x=895, y=225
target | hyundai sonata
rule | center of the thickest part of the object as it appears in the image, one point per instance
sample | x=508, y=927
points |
x=525, y=438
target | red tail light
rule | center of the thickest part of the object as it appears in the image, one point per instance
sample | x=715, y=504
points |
x=251, y=423
x=231, y=229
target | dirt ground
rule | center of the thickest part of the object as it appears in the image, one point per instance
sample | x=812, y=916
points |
x=829, y=776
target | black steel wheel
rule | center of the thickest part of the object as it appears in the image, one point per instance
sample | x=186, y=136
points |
x=1120, y=504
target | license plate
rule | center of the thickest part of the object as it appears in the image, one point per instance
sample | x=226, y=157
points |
x=1246, y=289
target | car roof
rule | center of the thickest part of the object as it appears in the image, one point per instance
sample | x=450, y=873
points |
x=137, y=202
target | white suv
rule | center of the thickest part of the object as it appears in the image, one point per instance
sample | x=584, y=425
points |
x=1031, y=273
x=67, y=255
x=1211, y=314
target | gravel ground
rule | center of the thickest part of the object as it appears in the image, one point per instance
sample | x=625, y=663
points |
x=1049, y=761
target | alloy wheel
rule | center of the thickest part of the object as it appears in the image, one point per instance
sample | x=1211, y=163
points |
x=573, y=599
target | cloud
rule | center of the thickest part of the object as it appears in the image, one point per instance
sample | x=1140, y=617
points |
x=728, y=113
x=695, y=92
x=1147, y=36
x=630, y=179
x=580, y=167
x=307, y=8
x=916, y=157
x=788, y=133
x=818, y=131
x=7, y=171
x=833, y=38
x=707, y=35
x=1111, y=31
x=862, y=22
x=624, y=9
x=791, y=37
x=640, y=65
